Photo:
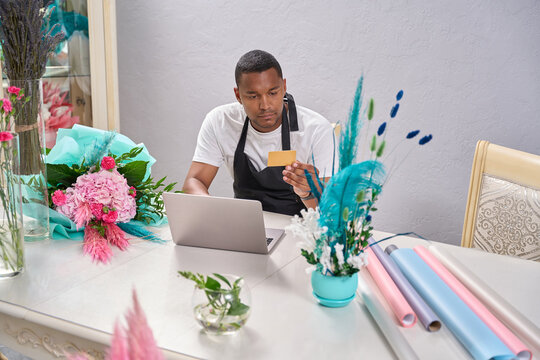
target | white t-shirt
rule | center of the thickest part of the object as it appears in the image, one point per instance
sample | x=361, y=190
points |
x=222, y=127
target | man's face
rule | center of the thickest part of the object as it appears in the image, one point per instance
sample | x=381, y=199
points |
x=261, y=94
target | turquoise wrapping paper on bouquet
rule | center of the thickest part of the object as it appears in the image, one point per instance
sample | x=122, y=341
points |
x=72, y=145
x=472, y=332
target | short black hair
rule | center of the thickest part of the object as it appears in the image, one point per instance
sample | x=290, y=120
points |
x=256, y=61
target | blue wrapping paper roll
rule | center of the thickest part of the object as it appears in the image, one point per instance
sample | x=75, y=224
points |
x=475, y=336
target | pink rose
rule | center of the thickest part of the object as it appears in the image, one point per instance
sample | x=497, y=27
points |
x=108, y=163
x=6, y=104
x=14, y=90
x=97, y=210
x=132, y=191
x=5, y=136
x=110, y=217
x=59, y=198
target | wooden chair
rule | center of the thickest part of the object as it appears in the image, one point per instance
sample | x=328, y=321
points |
x=503, y=206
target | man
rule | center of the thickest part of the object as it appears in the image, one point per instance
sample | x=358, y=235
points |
x=241, y=135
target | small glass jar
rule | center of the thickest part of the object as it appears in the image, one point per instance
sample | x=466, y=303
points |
x=225, y=309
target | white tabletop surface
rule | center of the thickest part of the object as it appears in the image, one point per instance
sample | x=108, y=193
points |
x=286, y=322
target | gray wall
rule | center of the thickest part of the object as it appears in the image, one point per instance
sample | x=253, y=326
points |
x=469, y=69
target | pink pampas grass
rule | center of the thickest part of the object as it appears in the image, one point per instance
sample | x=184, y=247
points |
x=116, y=236
x=134, y=343
x=119, y=349
x=96, y=245
x=140, y=340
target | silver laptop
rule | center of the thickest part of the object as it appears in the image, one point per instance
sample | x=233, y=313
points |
x=219, y=223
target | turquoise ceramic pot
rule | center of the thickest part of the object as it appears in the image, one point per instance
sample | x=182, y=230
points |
x=334, y=291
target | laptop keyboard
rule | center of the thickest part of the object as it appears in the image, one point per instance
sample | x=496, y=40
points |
x=269, y=240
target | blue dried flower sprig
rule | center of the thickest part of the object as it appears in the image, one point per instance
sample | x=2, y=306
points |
x=381, y=129
x=425, y=139
x=413, y=134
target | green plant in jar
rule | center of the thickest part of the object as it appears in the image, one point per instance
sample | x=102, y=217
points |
x=221, y=303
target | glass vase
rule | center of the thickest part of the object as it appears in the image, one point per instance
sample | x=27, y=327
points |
x=225, y=310
x=11, y=227
x=28, y=123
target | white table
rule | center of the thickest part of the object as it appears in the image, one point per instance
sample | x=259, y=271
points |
x=63, y=301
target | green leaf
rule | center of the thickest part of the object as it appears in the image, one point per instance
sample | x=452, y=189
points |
x=310, y=257
x=371, y=109
x=212, y=284
x=223, y=278
x=381, y=148
x=134, y=172
x=169, y=187
x=61, y=174
x=373, y=143
x=237, y=309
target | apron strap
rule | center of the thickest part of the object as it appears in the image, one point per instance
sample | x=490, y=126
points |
x=292, y=111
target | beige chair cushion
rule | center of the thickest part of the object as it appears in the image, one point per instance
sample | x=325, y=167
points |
x=508, y=219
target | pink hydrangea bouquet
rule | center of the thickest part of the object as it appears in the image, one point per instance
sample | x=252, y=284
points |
x=97, y=201
x=100, y=184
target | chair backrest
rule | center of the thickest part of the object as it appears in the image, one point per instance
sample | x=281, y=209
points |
x=503, y=206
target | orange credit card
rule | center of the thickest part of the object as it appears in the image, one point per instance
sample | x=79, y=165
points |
x=281, y=158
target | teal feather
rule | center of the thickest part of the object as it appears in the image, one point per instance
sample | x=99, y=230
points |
x=348, y=144
x=321, y=185
x=312, y=186
x=100, y=148
x=342, y=189
x=140, y=231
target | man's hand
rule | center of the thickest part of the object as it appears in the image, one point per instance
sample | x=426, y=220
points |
x=294, y=175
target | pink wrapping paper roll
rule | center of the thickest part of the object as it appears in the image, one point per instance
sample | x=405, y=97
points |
x=506, y=336
x=391, y=293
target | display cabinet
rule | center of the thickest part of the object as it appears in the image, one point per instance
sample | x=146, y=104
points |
x=80, y=84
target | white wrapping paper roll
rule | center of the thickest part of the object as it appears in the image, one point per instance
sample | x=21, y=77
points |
x=520, y=325
x=386, y=323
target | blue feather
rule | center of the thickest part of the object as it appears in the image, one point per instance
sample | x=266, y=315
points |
x=342, y=189
x=140, y=231
x=100, y=148
x=348, y=145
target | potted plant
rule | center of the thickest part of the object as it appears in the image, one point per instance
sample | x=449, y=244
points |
x=334, y=236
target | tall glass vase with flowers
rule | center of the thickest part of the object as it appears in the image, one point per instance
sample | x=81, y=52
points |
x=334, y=236
x=24, y=65
x=11, y=230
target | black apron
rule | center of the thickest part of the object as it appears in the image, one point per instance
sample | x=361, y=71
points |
x=267, y=185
